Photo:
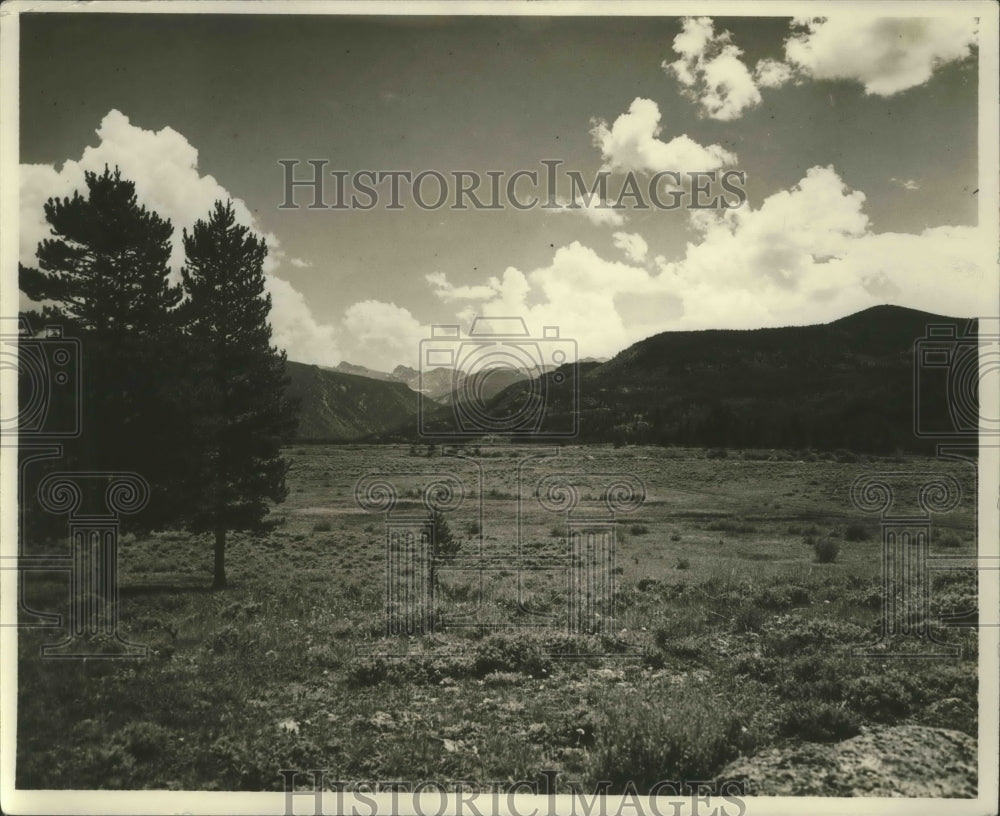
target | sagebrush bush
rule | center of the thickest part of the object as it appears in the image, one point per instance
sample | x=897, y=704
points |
x=793, y=634
x=888, y=697
x=826, y=550
x=681, y=735
x=509, y=653
x=856, y=531
x=815, y=721
x=322, y=527
x=949, y=541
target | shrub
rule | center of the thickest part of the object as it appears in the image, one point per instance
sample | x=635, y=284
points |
x=856, y=531
x=322, y=527
x=474, y=528
x=369, y=671
x=886, y=698
x=816, y=721
x=826, y=550
x=791, y=634
x=508, y=653
x=950, y=541
x=683, y=564
x=638, y=529
x=682, y=735
x=675, y=537
x=717, y=453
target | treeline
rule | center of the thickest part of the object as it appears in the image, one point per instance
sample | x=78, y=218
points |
x=178, y=380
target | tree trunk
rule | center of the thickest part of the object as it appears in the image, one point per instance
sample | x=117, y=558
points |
x=219, y=580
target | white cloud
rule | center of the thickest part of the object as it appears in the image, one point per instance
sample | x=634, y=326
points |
x=382, y=335
x=632, y=143
x=805, y=255
x=906, y=184
x=885, y=54
x=449, y=293
x=711, y=71
x=594, y=209
x=632, y=244
x=164, y=167
x=298, y=263
x=771, y=73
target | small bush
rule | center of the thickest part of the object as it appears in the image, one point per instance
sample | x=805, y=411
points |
x=508, y=653
x=369, y=671
x=717, y=453
x=683, y=564
x=675, y=537
x=856, y=531
x=826, y=550
x=888, y=697
x=814, y=721
x=685, y=734
x=638, y=529
x=473, y=528
x=950, y=541
x=322, y=527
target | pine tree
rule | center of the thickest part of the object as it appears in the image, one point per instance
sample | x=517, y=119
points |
x=243, y=415
x=107, y=268
x=104, y=277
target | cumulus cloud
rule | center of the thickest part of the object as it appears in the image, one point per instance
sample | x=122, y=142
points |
x=885, y=54
x=632, y=143
x=906, y=184
x=449, y=293
x=381, y=335
x=299, y=263
x=632, y=244
x=711, y=72
x=164, y=167
x=771, y=73
x=805, y=255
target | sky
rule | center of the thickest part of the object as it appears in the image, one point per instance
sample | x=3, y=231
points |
x=857, y=137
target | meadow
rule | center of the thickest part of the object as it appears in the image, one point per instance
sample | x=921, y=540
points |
x=742, y=583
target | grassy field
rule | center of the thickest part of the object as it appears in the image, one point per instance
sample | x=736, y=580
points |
x=743, y=581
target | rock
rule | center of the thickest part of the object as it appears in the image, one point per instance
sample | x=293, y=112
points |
x=902, y=760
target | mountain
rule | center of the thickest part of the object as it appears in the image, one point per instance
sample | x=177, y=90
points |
x=336, y=406
x=846, y=384
x=361, y=371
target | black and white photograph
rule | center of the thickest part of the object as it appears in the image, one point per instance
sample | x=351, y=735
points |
x=531, y=408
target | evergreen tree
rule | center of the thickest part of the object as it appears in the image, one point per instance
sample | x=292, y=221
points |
x=104, y=277
x=243, y=415
x=107, y=267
